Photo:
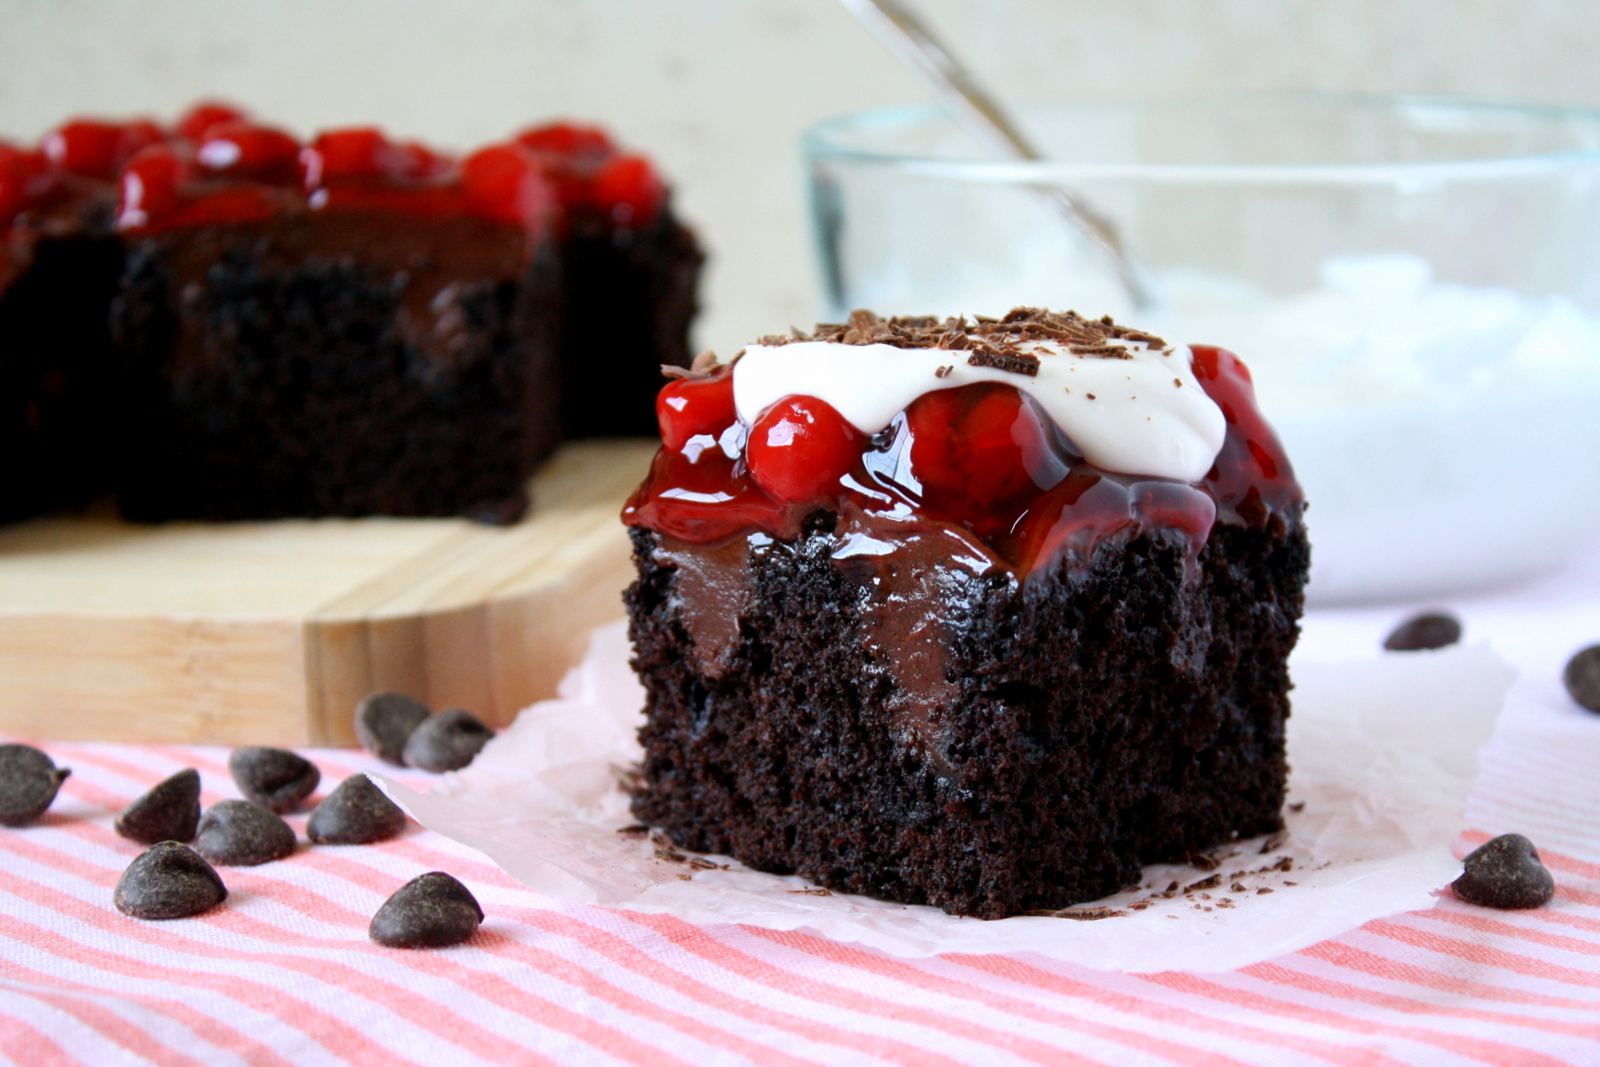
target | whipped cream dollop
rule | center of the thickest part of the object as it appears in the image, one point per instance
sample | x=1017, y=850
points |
x=1144, y=413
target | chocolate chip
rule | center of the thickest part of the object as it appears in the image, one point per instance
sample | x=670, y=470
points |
x=356, y=813
x=168, y=881
x=1505, y=873
x=1583, y=677
x=275, y=778
x=1432, y=629
x=383, y=723
x=29, y=781
x=447, y=741
x=430, y=911
x=168, y=812
x=236, y=833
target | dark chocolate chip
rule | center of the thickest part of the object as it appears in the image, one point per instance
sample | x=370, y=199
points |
x=275, y=778
x=168, y=881
x=447, y=741
x=29, y=781
x=1583, y=677
x=1432, y=629
x=236, y=833
x=383, y=723
x=168, y=812
x=356, y=813
x=430, y=911
x=1505, y=873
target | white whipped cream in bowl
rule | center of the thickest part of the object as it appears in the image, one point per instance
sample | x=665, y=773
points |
x=1414, y=283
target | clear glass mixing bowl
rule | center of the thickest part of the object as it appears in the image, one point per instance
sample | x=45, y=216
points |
x=1414, y=281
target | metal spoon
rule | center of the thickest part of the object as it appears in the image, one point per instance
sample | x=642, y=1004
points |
x=906, y=36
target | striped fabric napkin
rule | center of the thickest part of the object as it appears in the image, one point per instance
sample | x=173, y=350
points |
x=283, y=972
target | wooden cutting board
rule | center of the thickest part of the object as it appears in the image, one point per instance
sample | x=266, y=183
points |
x=269, y=633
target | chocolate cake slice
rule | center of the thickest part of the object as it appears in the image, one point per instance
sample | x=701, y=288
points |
x=965, y=614
x=218, y=321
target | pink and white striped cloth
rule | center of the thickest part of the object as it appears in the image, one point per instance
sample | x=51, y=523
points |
x=283, y=973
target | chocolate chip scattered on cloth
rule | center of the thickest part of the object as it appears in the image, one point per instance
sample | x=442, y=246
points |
x=356, y=813
x=236, y=833
x=1420, y=633
x=384, y=722
x=275, y=778
x=432, y=910
x=169, y=880
x=1582, y=678
x=168, y=812
x=447, y=741
x=1505, y=872
x=29, y=781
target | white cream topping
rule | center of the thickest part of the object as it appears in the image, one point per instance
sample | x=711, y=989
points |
x=1143, y=415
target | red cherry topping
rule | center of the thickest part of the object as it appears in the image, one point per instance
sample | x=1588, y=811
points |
x=982, y=451
x=95, y=149
x=21, y=176
x=800, y=447
x=507, y=183
x=242, y=150
x=628, y=189
x=703, y=501
x=354, y=153
x=1252, y=475
x=206, y=114
x=567, y=139
x=150, y=186
x=692, y=407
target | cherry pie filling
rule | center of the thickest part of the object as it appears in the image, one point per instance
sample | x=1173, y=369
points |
x=982, y=459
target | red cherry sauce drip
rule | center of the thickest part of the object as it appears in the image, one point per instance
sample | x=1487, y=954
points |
x=981, y=460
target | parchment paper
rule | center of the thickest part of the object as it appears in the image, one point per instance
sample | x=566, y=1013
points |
x=1384, y=753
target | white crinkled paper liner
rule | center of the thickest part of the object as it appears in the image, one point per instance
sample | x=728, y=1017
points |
x=1384, y=753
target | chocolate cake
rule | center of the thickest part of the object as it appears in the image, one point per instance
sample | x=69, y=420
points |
x=977, y=615
x=348, y=326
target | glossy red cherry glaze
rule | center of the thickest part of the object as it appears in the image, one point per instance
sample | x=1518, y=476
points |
x=687, y=408
x=93, y=149
x=217, y=166
x=983, y=459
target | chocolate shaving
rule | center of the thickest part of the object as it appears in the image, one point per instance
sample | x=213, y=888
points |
x=943, y=372
x=1204, y=883
x=1013, y=362
x=1088, y=913
x=1020, y=326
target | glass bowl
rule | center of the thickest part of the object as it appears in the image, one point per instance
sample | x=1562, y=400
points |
x=1414, y=281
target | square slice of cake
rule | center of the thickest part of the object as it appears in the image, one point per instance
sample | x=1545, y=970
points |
x=977, y=615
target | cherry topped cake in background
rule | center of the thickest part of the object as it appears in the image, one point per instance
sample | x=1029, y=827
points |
x=218, y=320
x=983, y=615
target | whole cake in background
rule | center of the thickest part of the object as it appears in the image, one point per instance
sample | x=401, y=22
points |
x=216, y=320
x=983, y=615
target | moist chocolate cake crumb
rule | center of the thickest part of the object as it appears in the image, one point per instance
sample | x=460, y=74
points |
x=1130, y=711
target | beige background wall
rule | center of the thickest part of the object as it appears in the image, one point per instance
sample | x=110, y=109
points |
x=718, y=90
